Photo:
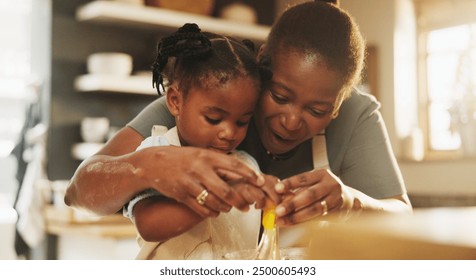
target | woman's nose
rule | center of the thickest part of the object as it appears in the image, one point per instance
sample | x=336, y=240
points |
x=291, y=120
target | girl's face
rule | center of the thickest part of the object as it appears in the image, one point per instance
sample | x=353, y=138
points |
x=297, y=103
x=215, y=118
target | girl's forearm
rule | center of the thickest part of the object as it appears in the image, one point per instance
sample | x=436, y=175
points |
x=158, y=219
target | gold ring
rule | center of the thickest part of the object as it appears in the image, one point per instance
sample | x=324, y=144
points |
x=202, y=197
x=324, y=207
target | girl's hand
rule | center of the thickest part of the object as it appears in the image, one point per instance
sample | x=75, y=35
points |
x=269, y=188
x=258, y=195
x=314, y=193
x=183, y=173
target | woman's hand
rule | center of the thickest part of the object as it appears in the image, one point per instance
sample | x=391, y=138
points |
x=185, y=173
x=319, y=192
x=311, y=194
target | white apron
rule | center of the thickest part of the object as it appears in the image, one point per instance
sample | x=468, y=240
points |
x=298, y=235
x=213, y=237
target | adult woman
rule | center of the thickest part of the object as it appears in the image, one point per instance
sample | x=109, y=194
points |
x=315, y=52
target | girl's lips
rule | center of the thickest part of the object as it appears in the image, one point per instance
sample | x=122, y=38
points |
x=221, y=150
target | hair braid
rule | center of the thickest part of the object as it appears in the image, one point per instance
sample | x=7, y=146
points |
x=189, y=58
x=187, y=42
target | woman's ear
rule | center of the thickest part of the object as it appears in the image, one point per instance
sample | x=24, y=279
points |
x=260, y=52
x=174, y=100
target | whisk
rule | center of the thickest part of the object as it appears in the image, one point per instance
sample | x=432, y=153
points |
x=268, y=247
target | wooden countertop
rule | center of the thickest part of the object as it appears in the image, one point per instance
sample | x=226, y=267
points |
x=66, y=221
x=117, y=231
x=431, y=233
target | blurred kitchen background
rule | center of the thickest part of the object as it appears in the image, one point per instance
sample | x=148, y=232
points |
x=59, y=104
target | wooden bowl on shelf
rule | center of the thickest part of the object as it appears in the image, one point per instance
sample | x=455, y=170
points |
x=202, y=7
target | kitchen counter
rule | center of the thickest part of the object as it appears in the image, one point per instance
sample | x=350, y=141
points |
x=79, y=236
x=66, y=221
x=444, y=233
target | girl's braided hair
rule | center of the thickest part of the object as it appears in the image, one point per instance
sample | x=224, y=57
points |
x=192, y=58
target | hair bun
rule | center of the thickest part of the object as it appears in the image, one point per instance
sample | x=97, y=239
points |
x=249, y=44
x=187, y=42
x=189, y=28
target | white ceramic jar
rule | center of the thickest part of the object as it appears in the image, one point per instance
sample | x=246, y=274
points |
x=94, y=129
x=110, y=64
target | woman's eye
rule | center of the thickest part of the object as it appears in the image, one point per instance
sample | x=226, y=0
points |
x=318, y=113
x=278, y=98
x=212, y=120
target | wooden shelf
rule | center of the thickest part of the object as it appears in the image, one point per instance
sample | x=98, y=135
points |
x=121, y=14
x=132, y=85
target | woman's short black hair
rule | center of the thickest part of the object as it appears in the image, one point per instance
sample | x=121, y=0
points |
x=322, y=29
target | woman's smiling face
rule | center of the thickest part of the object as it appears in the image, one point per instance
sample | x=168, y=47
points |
x=297, y=103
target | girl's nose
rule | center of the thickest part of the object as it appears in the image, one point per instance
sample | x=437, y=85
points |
x=227, y=132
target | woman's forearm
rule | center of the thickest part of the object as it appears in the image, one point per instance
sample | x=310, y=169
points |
x=103, y=184
x=364, y=202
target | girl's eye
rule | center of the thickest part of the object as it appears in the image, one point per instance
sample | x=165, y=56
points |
x=212, y=120
x=241, y=124
x=277, y=97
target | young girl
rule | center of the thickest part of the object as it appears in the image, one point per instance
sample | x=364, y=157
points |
x=213, y=86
